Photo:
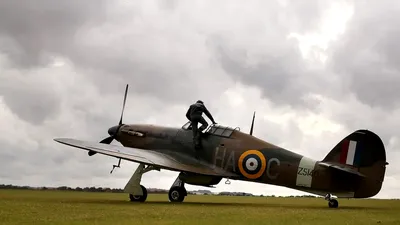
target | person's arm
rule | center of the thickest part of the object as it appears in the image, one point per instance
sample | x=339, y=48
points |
x=188, y=114
x=208, y=114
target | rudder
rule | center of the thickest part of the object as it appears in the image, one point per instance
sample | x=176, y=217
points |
x=364, y=152
x=362, y=148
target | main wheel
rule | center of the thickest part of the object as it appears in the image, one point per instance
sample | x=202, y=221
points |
x=177, y=194
x=139, y=198
x=333, y=203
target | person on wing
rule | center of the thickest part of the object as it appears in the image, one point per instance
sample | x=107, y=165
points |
x=194, y=115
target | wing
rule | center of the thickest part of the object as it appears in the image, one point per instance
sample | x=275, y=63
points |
x=165, y=160
x=344, y=169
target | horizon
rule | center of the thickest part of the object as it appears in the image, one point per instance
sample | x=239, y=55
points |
x=166, y=191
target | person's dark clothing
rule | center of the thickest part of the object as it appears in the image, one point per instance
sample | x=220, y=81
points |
x=196, y=110
x=194, y=114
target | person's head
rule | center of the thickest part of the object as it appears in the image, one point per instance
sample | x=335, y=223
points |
x=200, y=101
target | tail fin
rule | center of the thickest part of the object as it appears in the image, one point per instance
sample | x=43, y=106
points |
x=364, y=152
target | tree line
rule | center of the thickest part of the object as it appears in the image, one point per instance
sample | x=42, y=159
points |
x=84, y=189
x=149, y=190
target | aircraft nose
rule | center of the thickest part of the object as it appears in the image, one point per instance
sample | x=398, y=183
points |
x=113, y=130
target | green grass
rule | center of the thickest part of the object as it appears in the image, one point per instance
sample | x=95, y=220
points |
x=58, y=207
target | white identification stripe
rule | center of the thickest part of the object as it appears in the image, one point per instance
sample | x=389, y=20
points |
x=351, y=152
x=304, y=172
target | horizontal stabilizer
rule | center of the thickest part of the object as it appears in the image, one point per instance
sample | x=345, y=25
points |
x=345, y=169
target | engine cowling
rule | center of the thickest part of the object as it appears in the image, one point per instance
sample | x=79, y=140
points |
x=199, y=179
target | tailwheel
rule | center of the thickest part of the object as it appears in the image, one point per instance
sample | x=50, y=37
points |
x=333, y=203
x=177, y=194
x=139, y=198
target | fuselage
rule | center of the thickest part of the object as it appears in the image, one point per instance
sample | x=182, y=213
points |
x=276, y=165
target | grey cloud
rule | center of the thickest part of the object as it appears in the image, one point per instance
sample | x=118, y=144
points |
x=90, y=35
x=367, y=55
x=268, y=59
x=282, y=76
x=30, y=32
x=275, y=75
x=148, y=49
x=306, y=16
x=33, y=101
x=169, y=4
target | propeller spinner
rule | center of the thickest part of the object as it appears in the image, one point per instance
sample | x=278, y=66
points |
x=113, y=131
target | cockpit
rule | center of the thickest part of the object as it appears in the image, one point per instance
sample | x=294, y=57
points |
x=214, y=129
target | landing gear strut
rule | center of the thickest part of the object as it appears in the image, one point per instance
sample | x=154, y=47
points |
x=332, y=203
x=137, y=192
x=177, y=192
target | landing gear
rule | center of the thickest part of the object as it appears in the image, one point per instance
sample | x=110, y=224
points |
x=137, y=192
x=177, y=192
x=332, y=203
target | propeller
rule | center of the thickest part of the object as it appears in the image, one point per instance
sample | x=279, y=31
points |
x=113, y=131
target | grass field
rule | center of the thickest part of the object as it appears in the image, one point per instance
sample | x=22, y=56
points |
x=58, y=207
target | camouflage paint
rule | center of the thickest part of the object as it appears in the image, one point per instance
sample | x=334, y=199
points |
x=256, y=160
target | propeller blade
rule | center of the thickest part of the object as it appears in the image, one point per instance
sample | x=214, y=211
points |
x=107, y=140
x=123, y=106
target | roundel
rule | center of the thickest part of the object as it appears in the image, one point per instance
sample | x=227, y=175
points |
x=252, y=164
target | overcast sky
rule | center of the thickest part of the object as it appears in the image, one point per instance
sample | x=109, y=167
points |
x=314, y=71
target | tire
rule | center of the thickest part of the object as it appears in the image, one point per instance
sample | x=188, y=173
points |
x=333, y=203
x=177, y=194
x=139, y=198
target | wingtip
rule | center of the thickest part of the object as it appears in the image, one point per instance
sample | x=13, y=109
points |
x=61, y=140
